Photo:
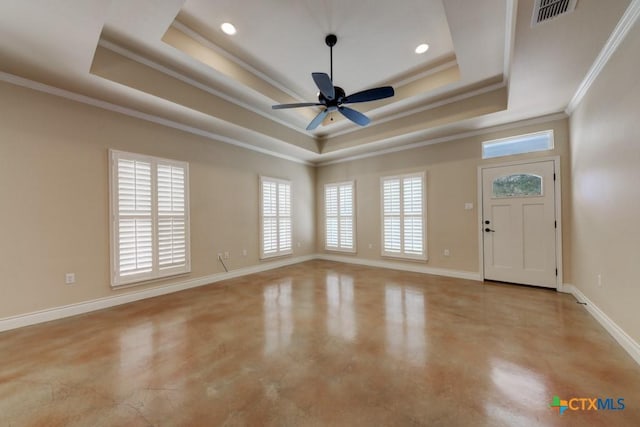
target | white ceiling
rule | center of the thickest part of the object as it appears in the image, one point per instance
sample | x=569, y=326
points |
x=286, y=39
x=169, y=62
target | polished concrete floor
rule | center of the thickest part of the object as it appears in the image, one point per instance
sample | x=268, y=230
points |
x=321, y=344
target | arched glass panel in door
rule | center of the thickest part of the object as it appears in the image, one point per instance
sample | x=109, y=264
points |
x=517, y=185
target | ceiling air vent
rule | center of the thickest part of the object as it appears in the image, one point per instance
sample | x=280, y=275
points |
x=546, y=10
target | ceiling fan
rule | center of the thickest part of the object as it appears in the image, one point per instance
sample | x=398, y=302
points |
x=332, y=98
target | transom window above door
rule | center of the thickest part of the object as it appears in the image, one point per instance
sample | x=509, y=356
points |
x=521, y=144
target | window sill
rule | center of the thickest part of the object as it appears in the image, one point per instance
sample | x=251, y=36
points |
x=143, y=282
x=341, y=251
x=406, y=258
x=279, y=255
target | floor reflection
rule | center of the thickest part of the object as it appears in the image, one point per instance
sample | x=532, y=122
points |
x=341, y=319
x=136, y=353
x=426, y=350
x=278, y=322
x=521, y=390
x=404, y=316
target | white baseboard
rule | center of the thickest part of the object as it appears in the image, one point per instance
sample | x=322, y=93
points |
x=565, y=288
x=628, y=343
x=106, y=302
x=55, y=313
x=403, y=266
x=14, y=322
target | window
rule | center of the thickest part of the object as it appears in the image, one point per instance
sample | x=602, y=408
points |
x=529, y=143
x=403, y=230
x=339, y=219
x=275, y=214
x=518, y=185
x=149, y=218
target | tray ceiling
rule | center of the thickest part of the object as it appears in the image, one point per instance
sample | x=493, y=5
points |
x=170, y=62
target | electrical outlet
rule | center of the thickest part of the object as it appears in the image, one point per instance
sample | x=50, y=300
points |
x=226, y=255
x=219, y=255
x=70, y=278
x=370, y=245
x=468, y=206
x=446, y=252
x=244, y=252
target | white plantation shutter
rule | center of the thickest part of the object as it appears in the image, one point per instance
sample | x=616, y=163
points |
x=412, y=203
x=284, y=217
x=345, y=209
x=339, y=217
x=150, y=227
x=172, y=237
x=392, y=240
x=275, y=208
x=403, y=231
x=269, y=218
x=134, y=225
x=331, y=216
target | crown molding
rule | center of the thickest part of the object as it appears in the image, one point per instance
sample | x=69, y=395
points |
x=619, y=33
x=452, y=137
x=214, y=47
x=420, y=109
x=188, y=80
x=94, y=102
x=509, y=38
x=421, y=75
x=316, y=162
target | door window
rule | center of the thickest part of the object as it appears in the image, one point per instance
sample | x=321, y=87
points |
x=517, y=185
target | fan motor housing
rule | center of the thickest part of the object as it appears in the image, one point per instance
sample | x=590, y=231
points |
x=339, y=96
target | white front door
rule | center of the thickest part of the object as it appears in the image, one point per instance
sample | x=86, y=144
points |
x=519, y=223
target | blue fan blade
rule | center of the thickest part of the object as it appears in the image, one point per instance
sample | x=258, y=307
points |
x=301, y=104
x=319, y=118
x=370, y=95
x=355, y=116
x=324, y=84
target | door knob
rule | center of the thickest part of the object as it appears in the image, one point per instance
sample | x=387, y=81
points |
x=489, y=230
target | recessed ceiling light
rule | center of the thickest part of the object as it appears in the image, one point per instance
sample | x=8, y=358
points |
x=422, y=48
x=228, y=28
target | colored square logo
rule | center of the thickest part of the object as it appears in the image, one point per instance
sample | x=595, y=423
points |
x=562, y=405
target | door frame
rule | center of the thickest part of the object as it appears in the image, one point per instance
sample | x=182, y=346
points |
x=558, y=210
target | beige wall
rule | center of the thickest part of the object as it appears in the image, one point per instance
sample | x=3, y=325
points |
x=605, y=158
x=452, y=176
x=54, y=198
x=54, y=153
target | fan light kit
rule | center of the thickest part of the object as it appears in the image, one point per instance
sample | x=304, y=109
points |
x=332, y=98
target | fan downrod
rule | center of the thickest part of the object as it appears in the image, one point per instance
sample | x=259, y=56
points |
x=331, y=41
